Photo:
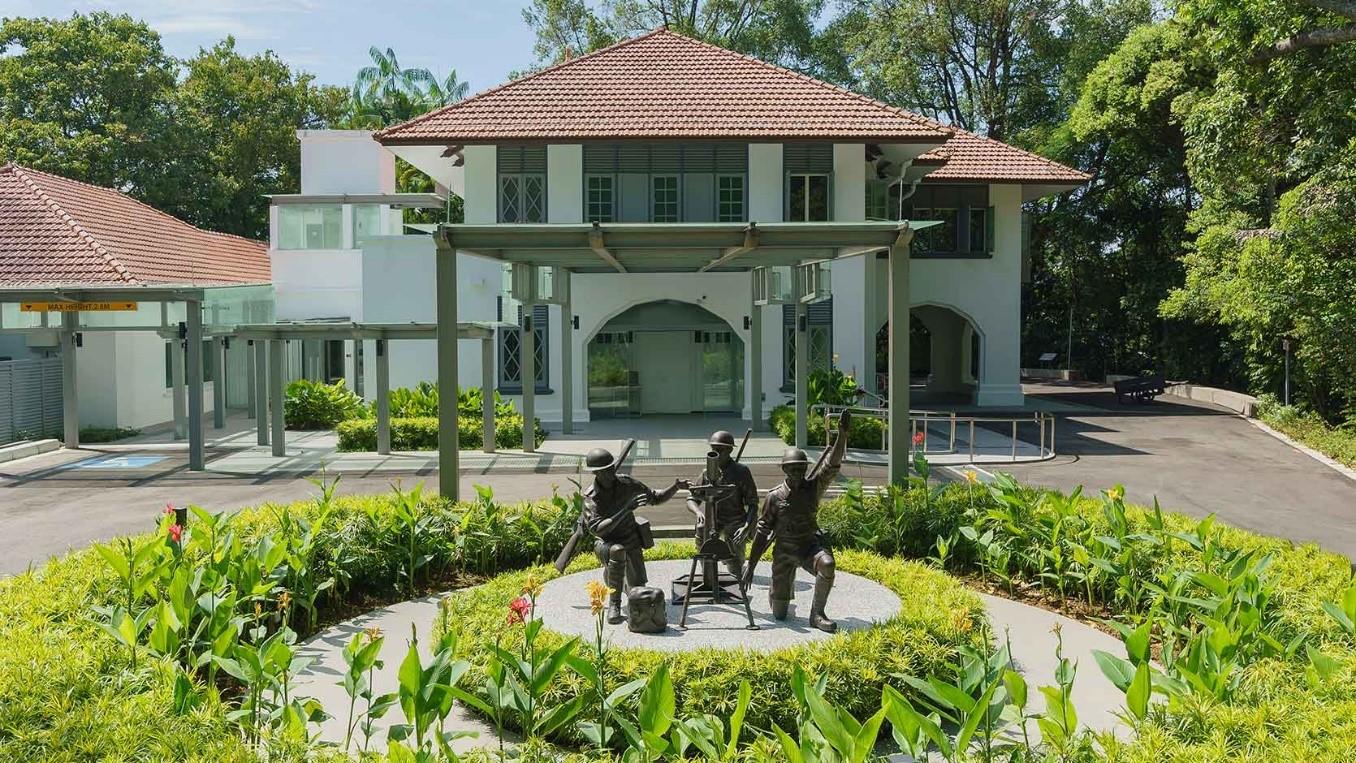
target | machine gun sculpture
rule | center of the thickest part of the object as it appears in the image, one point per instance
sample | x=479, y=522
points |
x=714, y=586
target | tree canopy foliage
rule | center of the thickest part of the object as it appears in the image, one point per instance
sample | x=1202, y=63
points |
x=95, y=97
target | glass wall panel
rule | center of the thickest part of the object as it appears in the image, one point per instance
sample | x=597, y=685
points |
x=366, y=222
x=310, y=227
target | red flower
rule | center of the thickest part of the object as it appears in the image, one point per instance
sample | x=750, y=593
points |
x=169, y=508
x=518, y=610
x=176, y=532
x=917, y=438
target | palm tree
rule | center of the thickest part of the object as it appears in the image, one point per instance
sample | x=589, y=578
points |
x=386, y=80
x=448, y=92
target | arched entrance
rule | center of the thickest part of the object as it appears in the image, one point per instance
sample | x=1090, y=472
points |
x=945, y=353
x=662, y=357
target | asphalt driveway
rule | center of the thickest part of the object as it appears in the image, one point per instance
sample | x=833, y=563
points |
x=1197, y=459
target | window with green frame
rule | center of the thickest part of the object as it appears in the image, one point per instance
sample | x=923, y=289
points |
x=522, y=198
x=730, y=198
x=664, y=206
x=600, y=198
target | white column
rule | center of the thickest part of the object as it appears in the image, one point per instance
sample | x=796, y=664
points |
x=565, y=183
x=854, y=339
x=766, y=183
x=251, y=389
x=482, y=194
x=193, y=363
x=1000, y=360
x=70, y=402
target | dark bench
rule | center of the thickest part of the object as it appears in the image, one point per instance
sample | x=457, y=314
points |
x=1141, y=389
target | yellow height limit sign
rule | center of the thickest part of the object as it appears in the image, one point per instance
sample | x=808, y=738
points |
x=76, y=307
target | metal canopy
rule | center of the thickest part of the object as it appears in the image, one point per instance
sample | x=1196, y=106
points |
x=109, y=293
x=397, y=200
x=349, y=330
x=672, y=247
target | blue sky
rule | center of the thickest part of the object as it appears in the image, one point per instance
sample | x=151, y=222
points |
x=484, y=41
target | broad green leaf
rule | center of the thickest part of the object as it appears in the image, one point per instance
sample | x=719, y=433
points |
x=1137, y=697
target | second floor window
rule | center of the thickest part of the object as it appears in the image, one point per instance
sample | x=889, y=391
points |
x=522, y=198
x=730, y=198
x=599, y=199
x=311, y=227
x=664, y=198
x=808, y=198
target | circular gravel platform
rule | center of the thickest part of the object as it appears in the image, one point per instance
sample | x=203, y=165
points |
x=856, y=603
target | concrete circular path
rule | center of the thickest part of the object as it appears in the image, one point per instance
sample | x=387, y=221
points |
x=1031, y=630
x=856, y=603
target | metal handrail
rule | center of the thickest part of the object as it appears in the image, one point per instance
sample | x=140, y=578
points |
x=921, y=421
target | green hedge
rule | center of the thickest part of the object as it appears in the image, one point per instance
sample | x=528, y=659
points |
x=866, y=433
x=937, y=614
x=1338, y=443
x=311, y=405
x=422, y=433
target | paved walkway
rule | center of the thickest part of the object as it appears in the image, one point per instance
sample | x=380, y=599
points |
x=1031, y=629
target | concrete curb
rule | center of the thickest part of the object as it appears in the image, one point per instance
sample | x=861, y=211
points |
x=28, y=448
x=1333, y=464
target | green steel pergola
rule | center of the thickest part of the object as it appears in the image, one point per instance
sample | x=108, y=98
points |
x=677, y=248
x=269, y=383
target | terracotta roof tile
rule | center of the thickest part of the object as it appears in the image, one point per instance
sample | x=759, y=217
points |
x=969, y=157
x=665, y=85
x=54, y=230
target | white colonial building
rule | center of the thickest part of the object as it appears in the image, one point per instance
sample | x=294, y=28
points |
x=664, y=133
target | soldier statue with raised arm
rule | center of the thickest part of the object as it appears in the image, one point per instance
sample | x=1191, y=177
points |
x=610, y=505
x=789, y=523
x=735, y=512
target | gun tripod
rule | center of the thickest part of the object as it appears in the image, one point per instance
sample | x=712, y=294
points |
x=714, y=586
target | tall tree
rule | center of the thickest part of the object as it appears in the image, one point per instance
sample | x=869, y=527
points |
x=88, y=97
x=237, y=118
x=780, y=31
x=996, y=67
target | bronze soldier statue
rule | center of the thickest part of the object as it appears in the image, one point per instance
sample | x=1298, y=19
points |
x=735, y=514
x=610, y=505
x=789, y=518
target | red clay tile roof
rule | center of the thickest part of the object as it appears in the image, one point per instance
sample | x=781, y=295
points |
x=59, y=231
x=664, y=85
x=967, y=157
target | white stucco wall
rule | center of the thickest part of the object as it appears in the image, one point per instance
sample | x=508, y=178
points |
x=344, y=161
x=312, y=284
x=853, y=339
x=481, y=173
x=986, y=291
x=565, y=183
x=765, y=182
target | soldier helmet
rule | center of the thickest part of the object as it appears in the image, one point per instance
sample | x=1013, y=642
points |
x=599, y=459
x=721, y=439
x=794, y=456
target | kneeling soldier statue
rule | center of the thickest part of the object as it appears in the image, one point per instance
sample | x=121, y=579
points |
x=789, y=518
x=610, y=505
x=735, y=513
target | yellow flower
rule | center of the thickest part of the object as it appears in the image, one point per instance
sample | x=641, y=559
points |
x=373, y=633
x=961, y=621
x=598, y=592
x=284, y=601
x=971, y=477
x=532, y=586
x=1115, y=493
x=258, y=610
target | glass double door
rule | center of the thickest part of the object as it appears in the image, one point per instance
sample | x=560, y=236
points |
x=661, y=371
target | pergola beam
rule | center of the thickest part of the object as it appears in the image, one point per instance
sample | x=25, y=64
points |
x=599, y=246
x=730, y=253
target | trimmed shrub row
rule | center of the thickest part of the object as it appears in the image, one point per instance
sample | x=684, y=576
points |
x=421, y=433
x=866, y=433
